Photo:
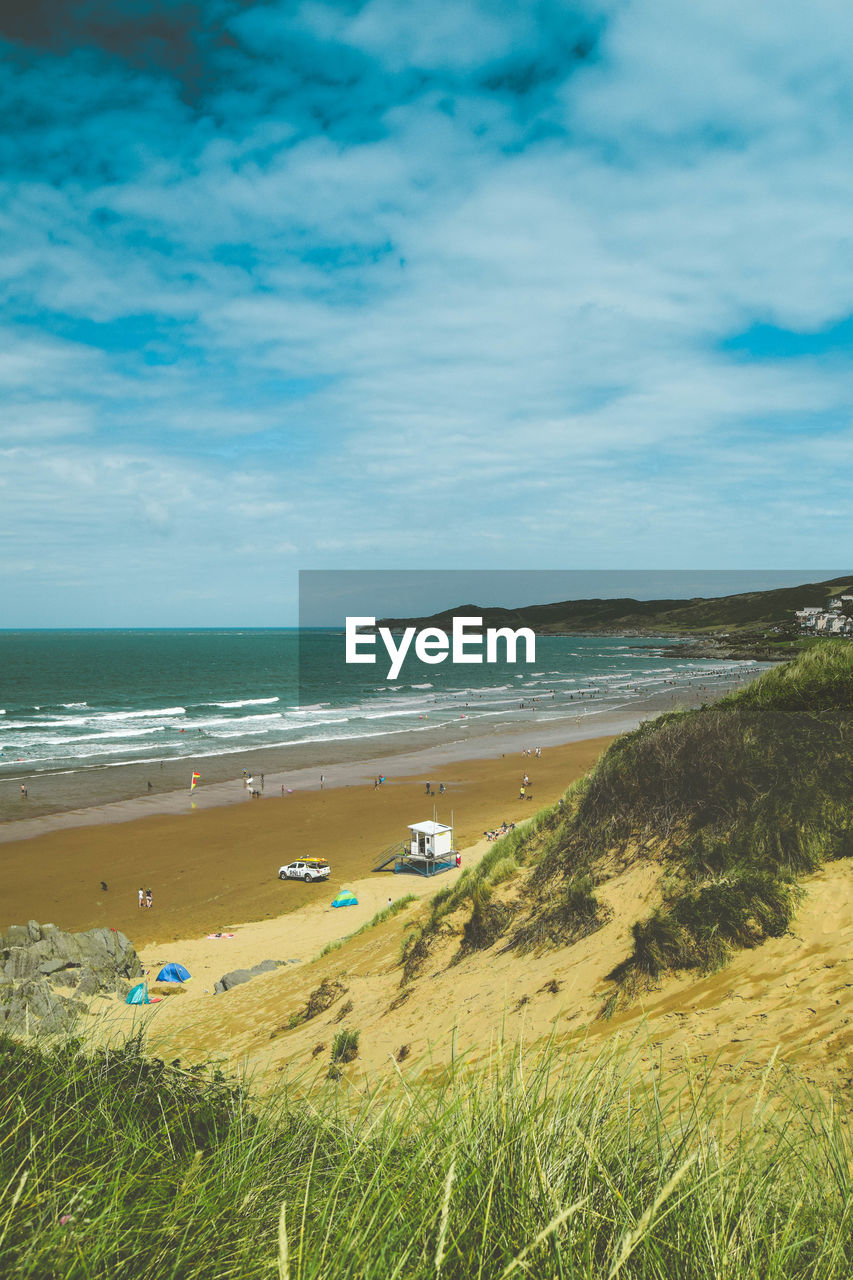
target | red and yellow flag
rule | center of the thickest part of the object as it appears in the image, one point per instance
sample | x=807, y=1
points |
x=194, y=782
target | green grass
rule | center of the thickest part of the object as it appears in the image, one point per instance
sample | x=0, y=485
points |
x=115, y=1167
x=345, y=1045
x=737, y=800
x=387, y=913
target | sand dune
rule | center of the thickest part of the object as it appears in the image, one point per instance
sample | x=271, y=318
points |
x=791, y=996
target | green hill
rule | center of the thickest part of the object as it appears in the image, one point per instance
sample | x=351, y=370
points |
x=734, y=613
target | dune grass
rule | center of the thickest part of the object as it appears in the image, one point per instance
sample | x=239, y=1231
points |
x=117, y=1167
x=387, y=913
x=736, y=801
x=472, y=891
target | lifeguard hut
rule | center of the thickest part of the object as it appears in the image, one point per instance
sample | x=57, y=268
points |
x=430, y=850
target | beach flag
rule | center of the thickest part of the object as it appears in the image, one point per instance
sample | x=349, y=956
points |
x=194, y=782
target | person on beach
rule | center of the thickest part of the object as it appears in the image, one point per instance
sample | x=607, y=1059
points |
x=322, y=781
x=441, y=788
x=103, y=886
x=521, y=793
x=428, y=789
x=150, y=787
x=141, y=897
x=149, y=897
x=262, y=782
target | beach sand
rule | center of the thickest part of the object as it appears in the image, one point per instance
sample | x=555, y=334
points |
x=212, y=868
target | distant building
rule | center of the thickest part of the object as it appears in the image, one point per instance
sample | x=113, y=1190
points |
x=834, y=624
x=835, y=621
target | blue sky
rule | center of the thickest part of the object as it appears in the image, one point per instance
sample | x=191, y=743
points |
x=381, y=285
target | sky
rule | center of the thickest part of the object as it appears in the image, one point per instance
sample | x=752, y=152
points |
x=527, y=285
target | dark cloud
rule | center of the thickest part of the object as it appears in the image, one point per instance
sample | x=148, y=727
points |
x=173, y=37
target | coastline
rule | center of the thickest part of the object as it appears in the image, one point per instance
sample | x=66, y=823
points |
x=83, y=798
x=212, y=858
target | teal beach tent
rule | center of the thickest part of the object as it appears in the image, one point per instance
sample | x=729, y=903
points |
x=345, y=899
x=173, y=973
x=138, y=994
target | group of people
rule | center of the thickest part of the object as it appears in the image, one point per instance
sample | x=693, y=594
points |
x=249, y=784
x=499, y=831
x=532, y=751
x=428, y=791
x=146, y=897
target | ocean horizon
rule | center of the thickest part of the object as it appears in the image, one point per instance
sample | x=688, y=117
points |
x=77, y=699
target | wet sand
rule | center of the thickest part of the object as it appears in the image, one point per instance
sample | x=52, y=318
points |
x=215, y=867
x=117, y=793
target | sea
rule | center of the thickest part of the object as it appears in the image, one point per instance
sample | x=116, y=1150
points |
x=74, y=701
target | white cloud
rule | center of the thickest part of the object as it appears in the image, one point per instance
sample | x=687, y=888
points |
x=363, y=293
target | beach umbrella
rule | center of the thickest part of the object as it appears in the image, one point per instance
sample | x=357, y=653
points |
x=173, y=973
x=138, y=994
x=345, y=899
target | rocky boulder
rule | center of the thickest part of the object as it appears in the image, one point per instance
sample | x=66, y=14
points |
x=38, y=962
x=238, y=976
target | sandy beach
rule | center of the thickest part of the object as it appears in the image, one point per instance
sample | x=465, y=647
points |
x=211, y=868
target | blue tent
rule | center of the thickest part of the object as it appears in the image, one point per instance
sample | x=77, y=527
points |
x=138, y=994
x=345, y=899
x=173, y=973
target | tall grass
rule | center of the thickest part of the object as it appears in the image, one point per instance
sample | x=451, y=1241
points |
x=487, y=919
x=387, y=913
x=114, y=1167
x=735, y=800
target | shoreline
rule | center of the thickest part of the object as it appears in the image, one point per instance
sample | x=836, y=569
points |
x=214, y=870
x=297, y=768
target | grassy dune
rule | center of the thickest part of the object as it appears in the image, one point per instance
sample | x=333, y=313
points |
x=118, y=1166
x=734, y=801
x=114, y=1164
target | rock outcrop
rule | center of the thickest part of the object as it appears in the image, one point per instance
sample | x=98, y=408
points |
x=46, y=974
x=236, y=976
